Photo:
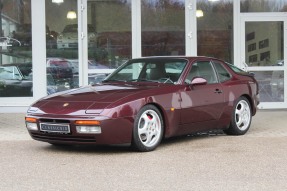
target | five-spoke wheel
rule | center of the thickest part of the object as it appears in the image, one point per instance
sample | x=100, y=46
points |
x=148, y=129
x=241, y=117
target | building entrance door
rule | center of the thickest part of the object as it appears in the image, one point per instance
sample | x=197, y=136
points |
x=263, y=53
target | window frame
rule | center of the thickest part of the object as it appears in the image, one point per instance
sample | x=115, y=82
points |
x=214, y=62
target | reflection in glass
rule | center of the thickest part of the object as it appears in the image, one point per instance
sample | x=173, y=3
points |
x=163, y=27
x=62, y=47
x=214, y=29
x=109, y=43
x=16, y=80
x=271, y=85
x=68, y=38
x=263, y=6
x=264, y=47
x=15, y=49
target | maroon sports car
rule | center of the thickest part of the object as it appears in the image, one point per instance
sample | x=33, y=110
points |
x=146, y=100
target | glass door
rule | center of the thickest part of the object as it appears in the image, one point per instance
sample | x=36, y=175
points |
x=263, y=53
x=62, y=59
x=108, y=38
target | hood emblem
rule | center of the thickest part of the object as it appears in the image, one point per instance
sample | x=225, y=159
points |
x=65, y=104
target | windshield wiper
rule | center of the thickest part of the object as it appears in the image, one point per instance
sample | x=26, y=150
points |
x=113, y=80
x=140, y=80
x=163, y=80
x=132, y=80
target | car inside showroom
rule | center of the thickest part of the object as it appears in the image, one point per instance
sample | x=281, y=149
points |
x=50, y=46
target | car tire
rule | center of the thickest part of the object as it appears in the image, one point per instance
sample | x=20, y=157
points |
x=241, y=117
x=148, y=129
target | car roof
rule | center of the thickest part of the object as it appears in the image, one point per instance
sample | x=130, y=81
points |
x=19, y=64
x=190, y=58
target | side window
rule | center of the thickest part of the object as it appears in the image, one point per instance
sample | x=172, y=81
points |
x=204, y=70
x=223, y=74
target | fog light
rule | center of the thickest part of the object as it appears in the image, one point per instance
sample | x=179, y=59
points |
x=89, y=129
x=32, y=126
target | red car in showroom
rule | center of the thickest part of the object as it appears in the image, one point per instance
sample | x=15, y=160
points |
x=146, y=100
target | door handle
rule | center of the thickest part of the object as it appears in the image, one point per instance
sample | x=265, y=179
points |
x=218, y=91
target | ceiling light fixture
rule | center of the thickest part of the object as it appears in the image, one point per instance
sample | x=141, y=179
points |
x=58, y=1
x=71, y=15
x=199, y=13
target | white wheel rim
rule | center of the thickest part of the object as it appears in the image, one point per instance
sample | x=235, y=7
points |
x=149, y=128
x=242, y=115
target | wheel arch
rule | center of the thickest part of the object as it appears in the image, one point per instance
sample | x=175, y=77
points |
x=250, y=102
x=137, y=142
x=163, y=115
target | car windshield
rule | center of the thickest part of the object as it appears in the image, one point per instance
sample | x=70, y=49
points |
x=149, y=70
x=71, y=28
x=74, y=28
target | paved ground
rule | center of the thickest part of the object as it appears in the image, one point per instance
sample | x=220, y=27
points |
x=256, y=161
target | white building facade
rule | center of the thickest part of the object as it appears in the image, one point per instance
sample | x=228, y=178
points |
x=49, y=46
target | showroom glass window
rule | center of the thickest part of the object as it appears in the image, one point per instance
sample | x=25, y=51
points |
x=264, y=47
x=264, y=44
x=215, y=29
x=109, y=38
x=61, y=45
x=263, y=6
x=15, y=49
x=163, y=27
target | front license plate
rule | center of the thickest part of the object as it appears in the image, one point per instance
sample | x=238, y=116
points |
x=55, y=128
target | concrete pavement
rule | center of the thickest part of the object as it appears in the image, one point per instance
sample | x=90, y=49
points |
x=255, y=161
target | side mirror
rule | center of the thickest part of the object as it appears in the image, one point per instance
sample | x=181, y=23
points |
x=198, y=81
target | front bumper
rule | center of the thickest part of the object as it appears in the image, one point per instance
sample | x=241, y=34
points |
x=113, y=131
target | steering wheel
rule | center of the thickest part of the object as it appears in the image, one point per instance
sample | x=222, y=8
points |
x=165, y=80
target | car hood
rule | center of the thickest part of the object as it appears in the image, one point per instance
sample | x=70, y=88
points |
x=70, y=35
x=85, y=100
x=74, y=35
